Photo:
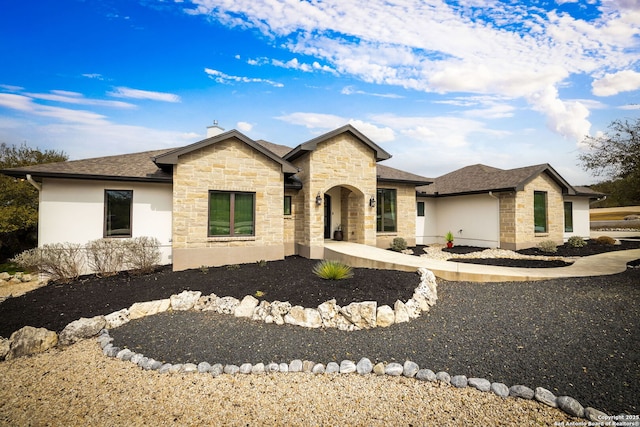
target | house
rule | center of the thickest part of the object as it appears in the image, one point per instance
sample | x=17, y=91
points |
x=229, y=199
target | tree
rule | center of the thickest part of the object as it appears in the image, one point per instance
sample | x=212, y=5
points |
x=616, y=155
x=18, y=198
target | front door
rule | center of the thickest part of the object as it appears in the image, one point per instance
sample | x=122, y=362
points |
x=327, y=216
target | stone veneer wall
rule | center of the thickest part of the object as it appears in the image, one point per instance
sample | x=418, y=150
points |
x=227, y=166
x=342, y=161
x=294, y=223
x=517, y=219
x=406, y=216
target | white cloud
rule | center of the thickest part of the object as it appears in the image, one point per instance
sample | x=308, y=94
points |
x=314, y=120
x=630, y=107
x=499, y=48
x=125, y=92
x=25, y=104
x=244, y=126
x=77, y=98
x=11, y=88
x=612, y=84
x=93, y=76
x=350, y=90
x=223, y=78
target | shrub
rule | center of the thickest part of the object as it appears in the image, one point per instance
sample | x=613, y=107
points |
x=398, y=244
x=576, y=242
x=332, y=270
x=106, y=256
x=262, y=263
x=548, y=246
x=142, y=254
x=60, y=261
x=605, y=240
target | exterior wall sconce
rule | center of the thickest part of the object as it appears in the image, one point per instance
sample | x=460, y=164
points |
x=372, y=202
x=318, y=199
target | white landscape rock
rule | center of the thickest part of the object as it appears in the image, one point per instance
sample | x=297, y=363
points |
x=329, y=311
x=401, y=313
x=300, y=316
x=81, y=328
x=385, y=316
x=185, y=300
x=117, y=318
x=246, y=307
x=148, y=308
x=361, y=314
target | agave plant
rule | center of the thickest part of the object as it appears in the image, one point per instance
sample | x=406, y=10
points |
x=332, y=270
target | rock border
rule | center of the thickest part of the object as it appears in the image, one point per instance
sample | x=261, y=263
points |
x=355, y=316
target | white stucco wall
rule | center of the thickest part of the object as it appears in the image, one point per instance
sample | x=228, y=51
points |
x=581, y=224
x=73, y=211
x=474, y=220
x=426, y=226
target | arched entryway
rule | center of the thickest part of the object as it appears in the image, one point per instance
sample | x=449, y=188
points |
x=344, y=208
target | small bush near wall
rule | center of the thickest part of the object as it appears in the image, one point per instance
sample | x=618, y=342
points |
x=576, y=242
x=398, y=244
x=605, y=240
x=60, y=261
x=142, y=254
x=106, y=256
x=548, y=246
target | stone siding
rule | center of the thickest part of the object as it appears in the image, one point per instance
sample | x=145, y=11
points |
x=226, y=166
x=517, y=218
x=406, y=215
x=342, y=161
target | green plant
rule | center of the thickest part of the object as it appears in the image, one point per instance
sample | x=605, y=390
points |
x=398, y=244
x=204, y=269
x=262, y=263
x=449, y=236
x=332, y=270
x=233, y=267
x=548, y=246
x=605, y=240
x=576, y=242
x=259, y=294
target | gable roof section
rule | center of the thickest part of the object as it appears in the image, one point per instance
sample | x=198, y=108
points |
x=388, y=174
x=313, y=143
x=125, y=167
x=482, y=179
x=171, y=158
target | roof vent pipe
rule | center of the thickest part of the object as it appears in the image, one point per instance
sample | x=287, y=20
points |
x=214, y=130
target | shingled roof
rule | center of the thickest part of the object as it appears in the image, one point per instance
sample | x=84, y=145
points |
x=480, y=178
x=388, y=174
x=124, y=167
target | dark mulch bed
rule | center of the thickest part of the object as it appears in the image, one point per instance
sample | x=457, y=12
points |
x=591, y=248
x=56, y=305
x=510, y=262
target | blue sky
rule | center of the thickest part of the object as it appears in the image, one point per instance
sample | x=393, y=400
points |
x=438, y=84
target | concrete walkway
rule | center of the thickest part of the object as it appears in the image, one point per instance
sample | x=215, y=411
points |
x=357, y=255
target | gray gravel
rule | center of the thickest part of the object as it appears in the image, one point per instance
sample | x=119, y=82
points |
x=575, y=337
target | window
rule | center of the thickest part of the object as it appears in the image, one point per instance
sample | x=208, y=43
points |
x=568, y=217
x=540, y=211
x=386, y=210
x=287, y=205
x=117, y=213
x=231, y=214
x=420, y=208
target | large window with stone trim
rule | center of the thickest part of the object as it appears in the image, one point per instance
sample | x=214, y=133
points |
x=540, y=211
x=117, y=213
x=386, y=210
x=231, y=214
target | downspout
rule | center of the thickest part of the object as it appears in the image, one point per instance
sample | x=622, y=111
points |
x=35, y=184
x=498, y=200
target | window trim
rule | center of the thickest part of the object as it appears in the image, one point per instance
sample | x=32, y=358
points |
x=288, y=210
x=105, y=222
x=568, y=225
x=545, y=211
x=232, y=226
x=380, y=206
x=420, y=208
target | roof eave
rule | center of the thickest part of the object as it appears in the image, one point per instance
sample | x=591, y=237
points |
x=24, y=173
